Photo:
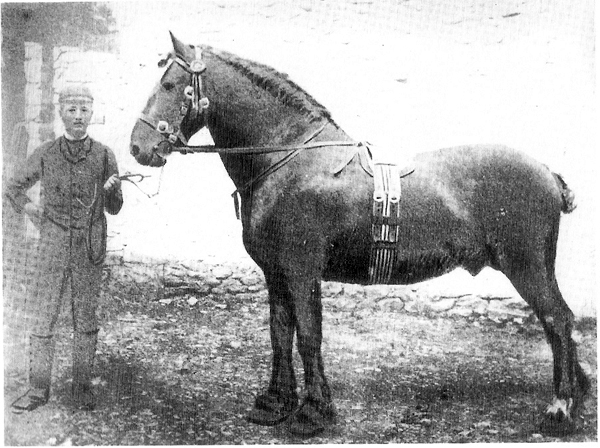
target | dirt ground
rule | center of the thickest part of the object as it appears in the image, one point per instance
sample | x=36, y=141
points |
x=185, y=369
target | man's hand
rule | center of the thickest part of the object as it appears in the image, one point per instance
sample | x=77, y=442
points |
x=112, y=183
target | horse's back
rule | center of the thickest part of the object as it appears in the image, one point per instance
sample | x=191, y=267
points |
x=480, y=180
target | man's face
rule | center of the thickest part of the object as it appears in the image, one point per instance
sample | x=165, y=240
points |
x=76, y=113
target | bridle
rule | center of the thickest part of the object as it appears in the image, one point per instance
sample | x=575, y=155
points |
x=195, y=104
x=192, y=107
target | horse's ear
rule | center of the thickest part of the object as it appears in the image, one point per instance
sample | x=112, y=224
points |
x=165, y=58
x=182, y=50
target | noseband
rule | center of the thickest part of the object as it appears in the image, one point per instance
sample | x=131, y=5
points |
x=191, y=108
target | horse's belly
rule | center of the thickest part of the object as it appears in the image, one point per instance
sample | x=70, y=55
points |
x=408, y=268
x=431, y=242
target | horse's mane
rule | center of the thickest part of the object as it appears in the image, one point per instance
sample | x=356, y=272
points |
x=276, y=83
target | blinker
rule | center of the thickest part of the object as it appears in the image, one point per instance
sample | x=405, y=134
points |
x=162, y=126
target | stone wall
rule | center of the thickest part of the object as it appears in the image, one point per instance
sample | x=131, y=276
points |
x=223, y=282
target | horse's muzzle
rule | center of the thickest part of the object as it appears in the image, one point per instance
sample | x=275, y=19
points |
x=152, y=158
x=163, y=149
x=157, y=160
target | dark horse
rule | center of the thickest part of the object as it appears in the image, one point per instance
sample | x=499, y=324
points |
x=306, y=211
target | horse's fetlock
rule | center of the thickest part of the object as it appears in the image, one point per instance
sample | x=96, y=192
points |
x=558, y=323
x=560, y=408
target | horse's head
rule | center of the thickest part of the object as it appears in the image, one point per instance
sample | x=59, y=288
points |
x=175, y=110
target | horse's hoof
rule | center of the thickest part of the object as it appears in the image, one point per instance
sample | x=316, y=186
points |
x=558, y=420
x=311, y=418
x=557, y=428
x=270, y=410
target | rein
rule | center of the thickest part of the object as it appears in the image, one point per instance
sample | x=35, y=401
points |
x=294, y=150
x=250, y=150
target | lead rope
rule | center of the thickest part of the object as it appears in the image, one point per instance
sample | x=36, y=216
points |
x=98, y=259
x=162, y=168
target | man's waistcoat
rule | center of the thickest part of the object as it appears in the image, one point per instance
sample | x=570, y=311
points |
x=72, y=187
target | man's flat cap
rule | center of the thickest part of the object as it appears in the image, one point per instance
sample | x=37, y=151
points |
x=75, y=91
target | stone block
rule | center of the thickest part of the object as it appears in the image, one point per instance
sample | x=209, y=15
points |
x=498, y=309
x=441, y=305
x=344, y=303
x=211, y=281
x=256, y=288
x=460, y=311
x=355, y=292
x=331, y=289
x=251, y=279
x=233, y=286
x=414, y=307
x=393, y=304
x=472, y=303
x=221, y=272
x=376, y=292
x=516, y=303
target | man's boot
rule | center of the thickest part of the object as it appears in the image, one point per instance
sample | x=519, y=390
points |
x=41, y=357
x=84, y=350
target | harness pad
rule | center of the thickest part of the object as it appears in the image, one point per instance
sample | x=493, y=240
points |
x=385, y=222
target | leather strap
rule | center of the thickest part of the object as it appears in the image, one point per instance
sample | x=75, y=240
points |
x=385, y=222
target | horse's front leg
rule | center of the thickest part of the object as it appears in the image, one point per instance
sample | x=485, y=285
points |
x=317, y=408
x=280, y=399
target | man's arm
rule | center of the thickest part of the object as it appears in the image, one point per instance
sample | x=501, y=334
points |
x=25, y=176
x=112, y=185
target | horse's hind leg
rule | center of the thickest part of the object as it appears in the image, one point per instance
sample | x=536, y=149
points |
x=534, y=279
x=280, y=399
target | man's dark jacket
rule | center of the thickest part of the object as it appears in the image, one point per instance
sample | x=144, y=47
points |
x=71, y=186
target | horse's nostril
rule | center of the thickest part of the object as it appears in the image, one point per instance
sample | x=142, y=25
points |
x=135, y=150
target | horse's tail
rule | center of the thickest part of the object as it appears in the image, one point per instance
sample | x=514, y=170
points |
x=567, y=195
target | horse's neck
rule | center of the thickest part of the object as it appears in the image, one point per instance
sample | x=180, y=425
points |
x=245, y=114
x=243, y=168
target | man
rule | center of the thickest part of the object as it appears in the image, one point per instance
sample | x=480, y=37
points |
x=79, y=180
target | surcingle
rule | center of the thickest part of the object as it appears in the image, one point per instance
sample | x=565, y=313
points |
x=385, y=222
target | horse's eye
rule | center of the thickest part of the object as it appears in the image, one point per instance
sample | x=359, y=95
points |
x=168, y=85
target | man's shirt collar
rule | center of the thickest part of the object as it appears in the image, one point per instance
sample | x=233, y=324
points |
x=73, y=139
